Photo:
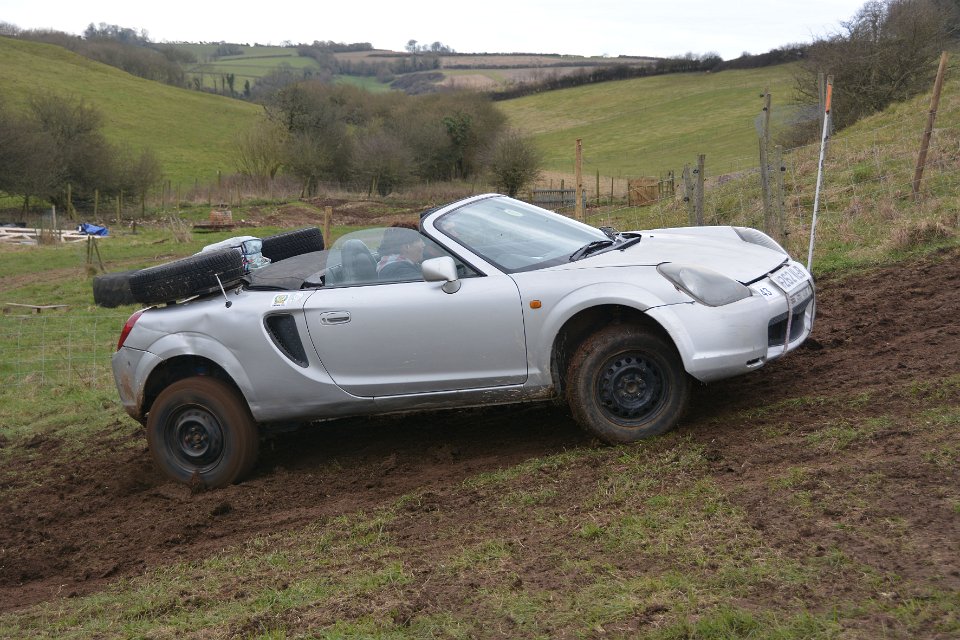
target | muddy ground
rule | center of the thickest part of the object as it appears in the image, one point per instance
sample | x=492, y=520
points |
x=892, y=329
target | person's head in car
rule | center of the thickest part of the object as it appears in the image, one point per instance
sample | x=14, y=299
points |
x=401, y=252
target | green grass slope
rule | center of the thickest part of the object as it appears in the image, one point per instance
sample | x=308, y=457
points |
x=192, y=133
x=647, y=126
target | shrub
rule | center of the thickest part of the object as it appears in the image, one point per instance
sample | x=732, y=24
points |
x=886, y=53
x=514, y=162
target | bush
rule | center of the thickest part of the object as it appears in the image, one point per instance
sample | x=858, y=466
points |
x=886, y=53
x=59, y=142
x=514, y=162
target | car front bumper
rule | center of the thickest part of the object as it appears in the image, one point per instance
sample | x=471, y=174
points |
x=720, y=342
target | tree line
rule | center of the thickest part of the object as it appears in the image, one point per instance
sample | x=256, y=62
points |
x=886, y=53
x=323, y=133
x=116, y=46
x=56, y=152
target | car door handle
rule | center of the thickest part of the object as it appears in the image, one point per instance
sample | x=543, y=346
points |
x=335, y=317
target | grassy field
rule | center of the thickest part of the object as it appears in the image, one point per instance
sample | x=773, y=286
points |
x=191, y=133
x=648, y=126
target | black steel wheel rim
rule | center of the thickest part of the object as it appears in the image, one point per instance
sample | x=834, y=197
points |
x=195, y=438
x=631, y=388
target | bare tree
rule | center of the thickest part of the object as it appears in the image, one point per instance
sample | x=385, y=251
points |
x=886, y=53
x=258, y=151
x=514, y=161
x=382, y=162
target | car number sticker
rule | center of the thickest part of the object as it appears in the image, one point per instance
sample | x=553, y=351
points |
x=283, y=299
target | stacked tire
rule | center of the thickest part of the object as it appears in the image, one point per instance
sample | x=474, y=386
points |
x=292, y=243
x=113, y=289
x=198, y=274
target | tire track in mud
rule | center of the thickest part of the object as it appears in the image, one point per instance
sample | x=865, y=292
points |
x=111, y=515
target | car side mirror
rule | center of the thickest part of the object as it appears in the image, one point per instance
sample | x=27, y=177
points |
x=444, y=270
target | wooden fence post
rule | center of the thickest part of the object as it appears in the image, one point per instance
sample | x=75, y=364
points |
x=689, y=195
x=578, y=193
x=822, y=94
x=925, y=141
x=780, y=195
x=701, y=162
x=768, y=223
x=327, y=217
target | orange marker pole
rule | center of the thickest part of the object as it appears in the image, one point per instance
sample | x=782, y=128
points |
x=816, y=196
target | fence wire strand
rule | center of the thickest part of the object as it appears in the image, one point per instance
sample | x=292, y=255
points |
x=58, y=348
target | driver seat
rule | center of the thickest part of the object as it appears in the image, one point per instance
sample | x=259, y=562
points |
x=358, y=262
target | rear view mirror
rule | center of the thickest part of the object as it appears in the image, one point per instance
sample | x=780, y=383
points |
x=442, y=269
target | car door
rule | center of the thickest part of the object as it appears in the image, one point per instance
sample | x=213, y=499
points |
x=412, y=337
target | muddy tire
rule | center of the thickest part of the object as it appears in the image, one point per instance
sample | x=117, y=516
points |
x=201, y=433
x=195, y=275
x=292, y=243
x=625, y=383
x=113, y=289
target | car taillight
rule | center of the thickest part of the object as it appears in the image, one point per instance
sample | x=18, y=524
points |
x=132, y=320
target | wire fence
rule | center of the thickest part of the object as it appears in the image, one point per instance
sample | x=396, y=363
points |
x=868, y=175
x=58, y=348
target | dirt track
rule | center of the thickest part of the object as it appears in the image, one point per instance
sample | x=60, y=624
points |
x=98, y=519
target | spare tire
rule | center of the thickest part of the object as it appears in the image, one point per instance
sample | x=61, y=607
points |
x=292, y=243
x=113, y=289
x=187, y=277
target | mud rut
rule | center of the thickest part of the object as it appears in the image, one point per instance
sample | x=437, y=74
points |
x=106, y=516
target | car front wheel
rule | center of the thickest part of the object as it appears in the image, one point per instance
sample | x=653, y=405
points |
x=625, y=383
x=200, y=432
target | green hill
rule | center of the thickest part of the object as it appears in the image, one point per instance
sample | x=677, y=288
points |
x=647, y=126
x=190, y=132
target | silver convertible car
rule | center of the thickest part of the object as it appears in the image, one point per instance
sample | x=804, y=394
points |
x=490, y=301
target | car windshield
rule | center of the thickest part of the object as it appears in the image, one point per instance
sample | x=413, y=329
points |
x=515, y=236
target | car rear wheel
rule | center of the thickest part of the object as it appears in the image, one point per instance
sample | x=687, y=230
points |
x=625, y=383
x=200, y=431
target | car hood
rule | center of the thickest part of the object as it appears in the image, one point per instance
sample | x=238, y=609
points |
x=717, y=248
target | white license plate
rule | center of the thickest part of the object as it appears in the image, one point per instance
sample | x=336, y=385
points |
x=790, y=277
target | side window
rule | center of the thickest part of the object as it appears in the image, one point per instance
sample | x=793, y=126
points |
x=383, y=255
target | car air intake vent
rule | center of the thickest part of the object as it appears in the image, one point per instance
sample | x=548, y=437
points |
x=283, y=331
x=778, y=326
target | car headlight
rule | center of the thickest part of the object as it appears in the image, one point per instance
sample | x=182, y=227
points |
x=753, y=236
x=703, y=285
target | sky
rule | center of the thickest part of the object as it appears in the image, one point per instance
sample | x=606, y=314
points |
x=598, y=27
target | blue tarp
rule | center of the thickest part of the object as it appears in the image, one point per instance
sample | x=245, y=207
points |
x=92, y=229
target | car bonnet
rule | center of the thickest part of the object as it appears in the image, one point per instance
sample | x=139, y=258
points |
x=732, y=257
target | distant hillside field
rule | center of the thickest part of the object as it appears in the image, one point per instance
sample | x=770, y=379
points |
x=254, y=63
x=191, y=132
x=647, y=126
x=461, y=71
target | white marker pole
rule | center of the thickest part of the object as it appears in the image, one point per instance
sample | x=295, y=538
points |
x=816, y=196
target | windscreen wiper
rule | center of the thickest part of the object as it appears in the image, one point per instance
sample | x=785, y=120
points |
x=589, y=248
